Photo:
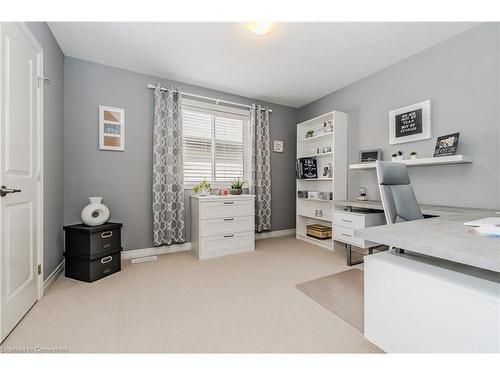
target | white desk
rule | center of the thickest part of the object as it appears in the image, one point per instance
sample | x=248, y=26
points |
x=443, y=293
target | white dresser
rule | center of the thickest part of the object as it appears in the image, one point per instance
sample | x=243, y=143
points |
x=222, y=225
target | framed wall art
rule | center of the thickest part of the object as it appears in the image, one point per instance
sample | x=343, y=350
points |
x=111, y=128
x=411, y=123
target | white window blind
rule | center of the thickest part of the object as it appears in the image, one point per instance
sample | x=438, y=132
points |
x=215, y=145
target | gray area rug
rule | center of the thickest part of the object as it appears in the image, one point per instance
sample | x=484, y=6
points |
x=341, y=293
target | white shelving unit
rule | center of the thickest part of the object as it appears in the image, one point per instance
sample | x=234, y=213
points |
x=337, y=184
x=454, y=159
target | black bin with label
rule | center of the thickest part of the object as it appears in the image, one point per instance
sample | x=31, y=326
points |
x=92, y=253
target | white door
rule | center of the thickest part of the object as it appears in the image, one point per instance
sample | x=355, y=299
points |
x=20, y=98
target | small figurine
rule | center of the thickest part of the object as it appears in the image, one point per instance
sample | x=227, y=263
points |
x=362, y=194
x=327, y=170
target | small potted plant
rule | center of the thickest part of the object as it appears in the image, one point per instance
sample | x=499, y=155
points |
x=236, y=186
x=309, y=133
x=400, y=155
x=413, y=155
x=394, y=157
x=203, y=188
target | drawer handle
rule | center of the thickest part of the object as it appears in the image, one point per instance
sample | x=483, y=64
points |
x=347, y=221
x=106, y=234
x=229, y=235
x=228, y=202
x=106, y=259
x=348, y=235
x=229, y=219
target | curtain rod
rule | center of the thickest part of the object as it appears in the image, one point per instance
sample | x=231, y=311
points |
x=216, y=100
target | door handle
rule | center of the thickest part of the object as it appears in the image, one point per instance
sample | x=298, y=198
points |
x=4, y=191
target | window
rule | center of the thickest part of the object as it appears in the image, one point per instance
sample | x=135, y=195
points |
x=215, y=143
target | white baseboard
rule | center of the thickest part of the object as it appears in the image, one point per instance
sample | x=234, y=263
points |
x=275, y=233
x=53, y=277
x=139, y=253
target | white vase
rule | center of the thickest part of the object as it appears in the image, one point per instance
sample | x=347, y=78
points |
x=413, y=157
x=400, y=157
x=95, y=213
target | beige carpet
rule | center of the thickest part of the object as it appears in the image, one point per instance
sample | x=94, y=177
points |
x=239, y=303
x=341, y=293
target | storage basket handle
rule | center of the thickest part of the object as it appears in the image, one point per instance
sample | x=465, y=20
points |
x=106, y=234
x=107, y=259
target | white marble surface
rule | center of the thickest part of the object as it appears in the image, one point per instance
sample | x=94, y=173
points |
x=443, y=237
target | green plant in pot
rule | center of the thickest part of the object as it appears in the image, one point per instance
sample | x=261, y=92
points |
x=413, y=155
x=309, y=133
x=203, y=188
x=236, y=186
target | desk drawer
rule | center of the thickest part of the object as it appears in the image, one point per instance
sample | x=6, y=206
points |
x=348, y=219
x=233, y=243
x=226, y=225
x=346, y=235
x=226, y=208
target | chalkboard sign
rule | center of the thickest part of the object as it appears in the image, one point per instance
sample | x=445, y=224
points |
x=410, y=123
x=307, y=168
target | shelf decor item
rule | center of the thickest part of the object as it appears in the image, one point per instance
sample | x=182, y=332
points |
x=312, y=194
x=307, y=168
x=203, y=188
x=362, y=194
x=410, y=123
x=310, y=133
x=325, y=195
x=369, y=156
x=95, y=213
x=236, y=186
x=111, y=128
x=446, y=145
x=278, y=146
x=302, y=194
x=413, y=155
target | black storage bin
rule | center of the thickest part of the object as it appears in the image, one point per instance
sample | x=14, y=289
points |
x=86, y=269
x=81, y=239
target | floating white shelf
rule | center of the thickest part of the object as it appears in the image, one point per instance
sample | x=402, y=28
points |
x=316, y=137
x=454, y=159
x=317, y=155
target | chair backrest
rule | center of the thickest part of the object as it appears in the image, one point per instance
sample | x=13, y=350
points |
x=398, y=197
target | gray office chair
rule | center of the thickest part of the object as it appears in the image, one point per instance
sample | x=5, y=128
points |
x=398, y=198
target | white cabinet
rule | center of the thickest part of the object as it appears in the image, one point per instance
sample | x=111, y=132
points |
x=222, y=225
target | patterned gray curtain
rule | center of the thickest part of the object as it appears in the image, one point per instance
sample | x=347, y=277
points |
x=168, y=174
x=261, y=179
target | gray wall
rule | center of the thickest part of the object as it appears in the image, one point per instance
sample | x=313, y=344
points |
x=124, y=178
x=53, y=122
x=461, y=78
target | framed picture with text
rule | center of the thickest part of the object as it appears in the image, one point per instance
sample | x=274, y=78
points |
x=411, y=123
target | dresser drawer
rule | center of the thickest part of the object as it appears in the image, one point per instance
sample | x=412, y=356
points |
x=226, y=225
x=226, y=208
x=214, y=246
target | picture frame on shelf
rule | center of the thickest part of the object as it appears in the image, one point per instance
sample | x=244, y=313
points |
x=446, y=145
x=411, y=123
x=370, y=156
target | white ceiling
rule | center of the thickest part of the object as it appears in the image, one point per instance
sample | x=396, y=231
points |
x=294, y=65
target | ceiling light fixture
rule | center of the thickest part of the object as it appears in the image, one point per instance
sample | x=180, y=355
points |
x=260, y=28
